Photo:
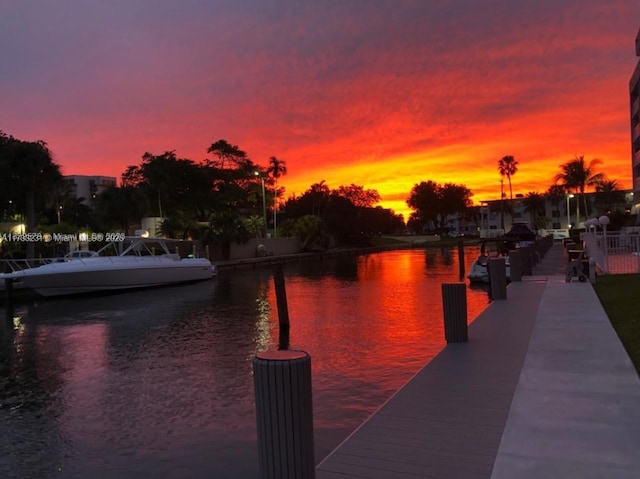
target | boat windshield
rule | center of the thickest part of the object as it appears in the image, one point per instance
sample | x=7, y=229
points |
x=135, y=246
x=496, y=247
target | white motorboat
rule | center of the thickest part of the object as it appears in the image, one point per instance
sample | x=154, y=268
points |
x=490, y=248
x=136, y=266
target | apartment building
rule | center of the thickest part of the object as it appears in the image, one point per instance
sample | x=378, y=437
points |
x=634, y=97
x=560, y=216
x=88, y=187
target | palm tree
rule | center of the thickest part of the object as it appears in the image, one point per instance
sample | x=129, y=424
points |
x=534, y=204
x=254, y=224
x=556, y=194
x=609, y=195
x=319, y=195
x=508, y=166
x=276, y=169
x=576, y=175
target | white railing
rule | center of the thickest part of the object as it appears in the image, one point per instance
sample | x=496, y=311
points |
x=9, y=265
x=614, y=253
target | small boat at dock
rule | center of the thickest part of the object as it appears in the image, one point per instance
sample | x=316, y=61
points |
x=489, y=249
x=134, y=263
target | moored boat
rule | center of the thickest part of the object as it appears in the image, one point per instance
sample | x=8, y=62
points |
x=134, y=266
x=489, y=248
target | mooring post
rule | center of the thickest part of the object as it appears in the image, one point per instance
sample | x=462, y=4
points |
x=454, y=306
x=461, y=258
x=527, y=268
x=281, y=302
x=533, y=247
x=515, y=265
x=498, y=278
x=284, y=414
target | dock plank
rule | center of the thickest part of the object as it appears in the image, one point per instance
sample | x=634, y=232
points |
x=447, y=421
x=543, y=388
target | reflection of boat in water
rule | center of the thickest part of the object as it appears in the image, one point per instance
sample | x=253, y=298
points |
x=489, y=249
x=136, y=266
x=150, y=304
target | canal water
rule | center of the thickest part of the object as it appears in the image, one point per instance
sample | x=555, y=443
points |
x=159, y=383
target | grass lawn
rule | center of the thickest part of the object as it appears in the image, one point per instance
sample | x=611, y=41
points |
x=618, y=294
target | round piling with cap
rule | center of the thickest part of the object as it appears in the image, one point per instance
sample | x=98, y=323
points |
x=284, y=414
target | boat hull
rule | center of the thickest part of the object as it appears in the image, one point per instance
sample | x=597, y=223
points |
x=479, y=273
x=95, y=275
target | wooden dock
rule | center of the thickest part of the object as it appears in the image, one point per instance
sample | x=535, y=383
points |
x=519, y=400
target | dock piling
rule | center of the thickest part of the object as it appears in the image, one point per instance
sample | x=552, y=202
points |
x=461, y=258
x=515, y=265
x=284, y=414
x=498, y=278
x=281, y=302
x=454, y=305
x=527, y=266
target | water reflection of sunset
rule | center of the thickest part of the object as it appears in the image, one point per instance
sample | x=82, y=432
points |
x=107, y=385
x=391, y=302
x=383, y=95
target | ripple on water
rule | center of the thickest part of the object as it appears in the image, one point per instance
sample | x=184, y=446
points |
x=159, y=383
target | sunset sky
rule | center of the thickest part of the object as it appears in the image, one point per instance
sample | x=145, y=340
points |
x=383, y=94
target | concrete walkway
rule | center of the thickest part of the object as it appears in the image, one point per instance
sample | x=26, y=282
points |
x=543, y=389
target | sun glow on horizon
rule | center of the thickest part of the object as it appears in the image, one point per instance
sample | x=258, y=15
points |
x=383, y=97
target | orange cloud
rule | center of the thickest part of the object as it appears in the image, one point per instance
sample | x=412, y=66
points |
x=383, y=96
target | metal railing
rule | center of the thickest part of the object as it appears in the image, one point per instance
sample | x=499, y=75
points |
x=10, y=265
x=614, y=253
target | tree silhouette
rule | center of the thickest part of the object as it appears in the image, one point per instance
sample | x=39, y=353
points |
x=437, y=203
x=228, y=155
x=609, y=196
x=121, y=207
x=507, y=166
x=534, y=204
x=359, y=196
x=28, y=174
x=556, y=194
x=576, y=175
x=276, y=169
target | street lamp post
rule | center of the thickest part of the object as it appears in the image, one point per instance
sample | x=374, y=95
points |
x=568, y=214
x=264, y=203
x=483, y=207
x=275, y=212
